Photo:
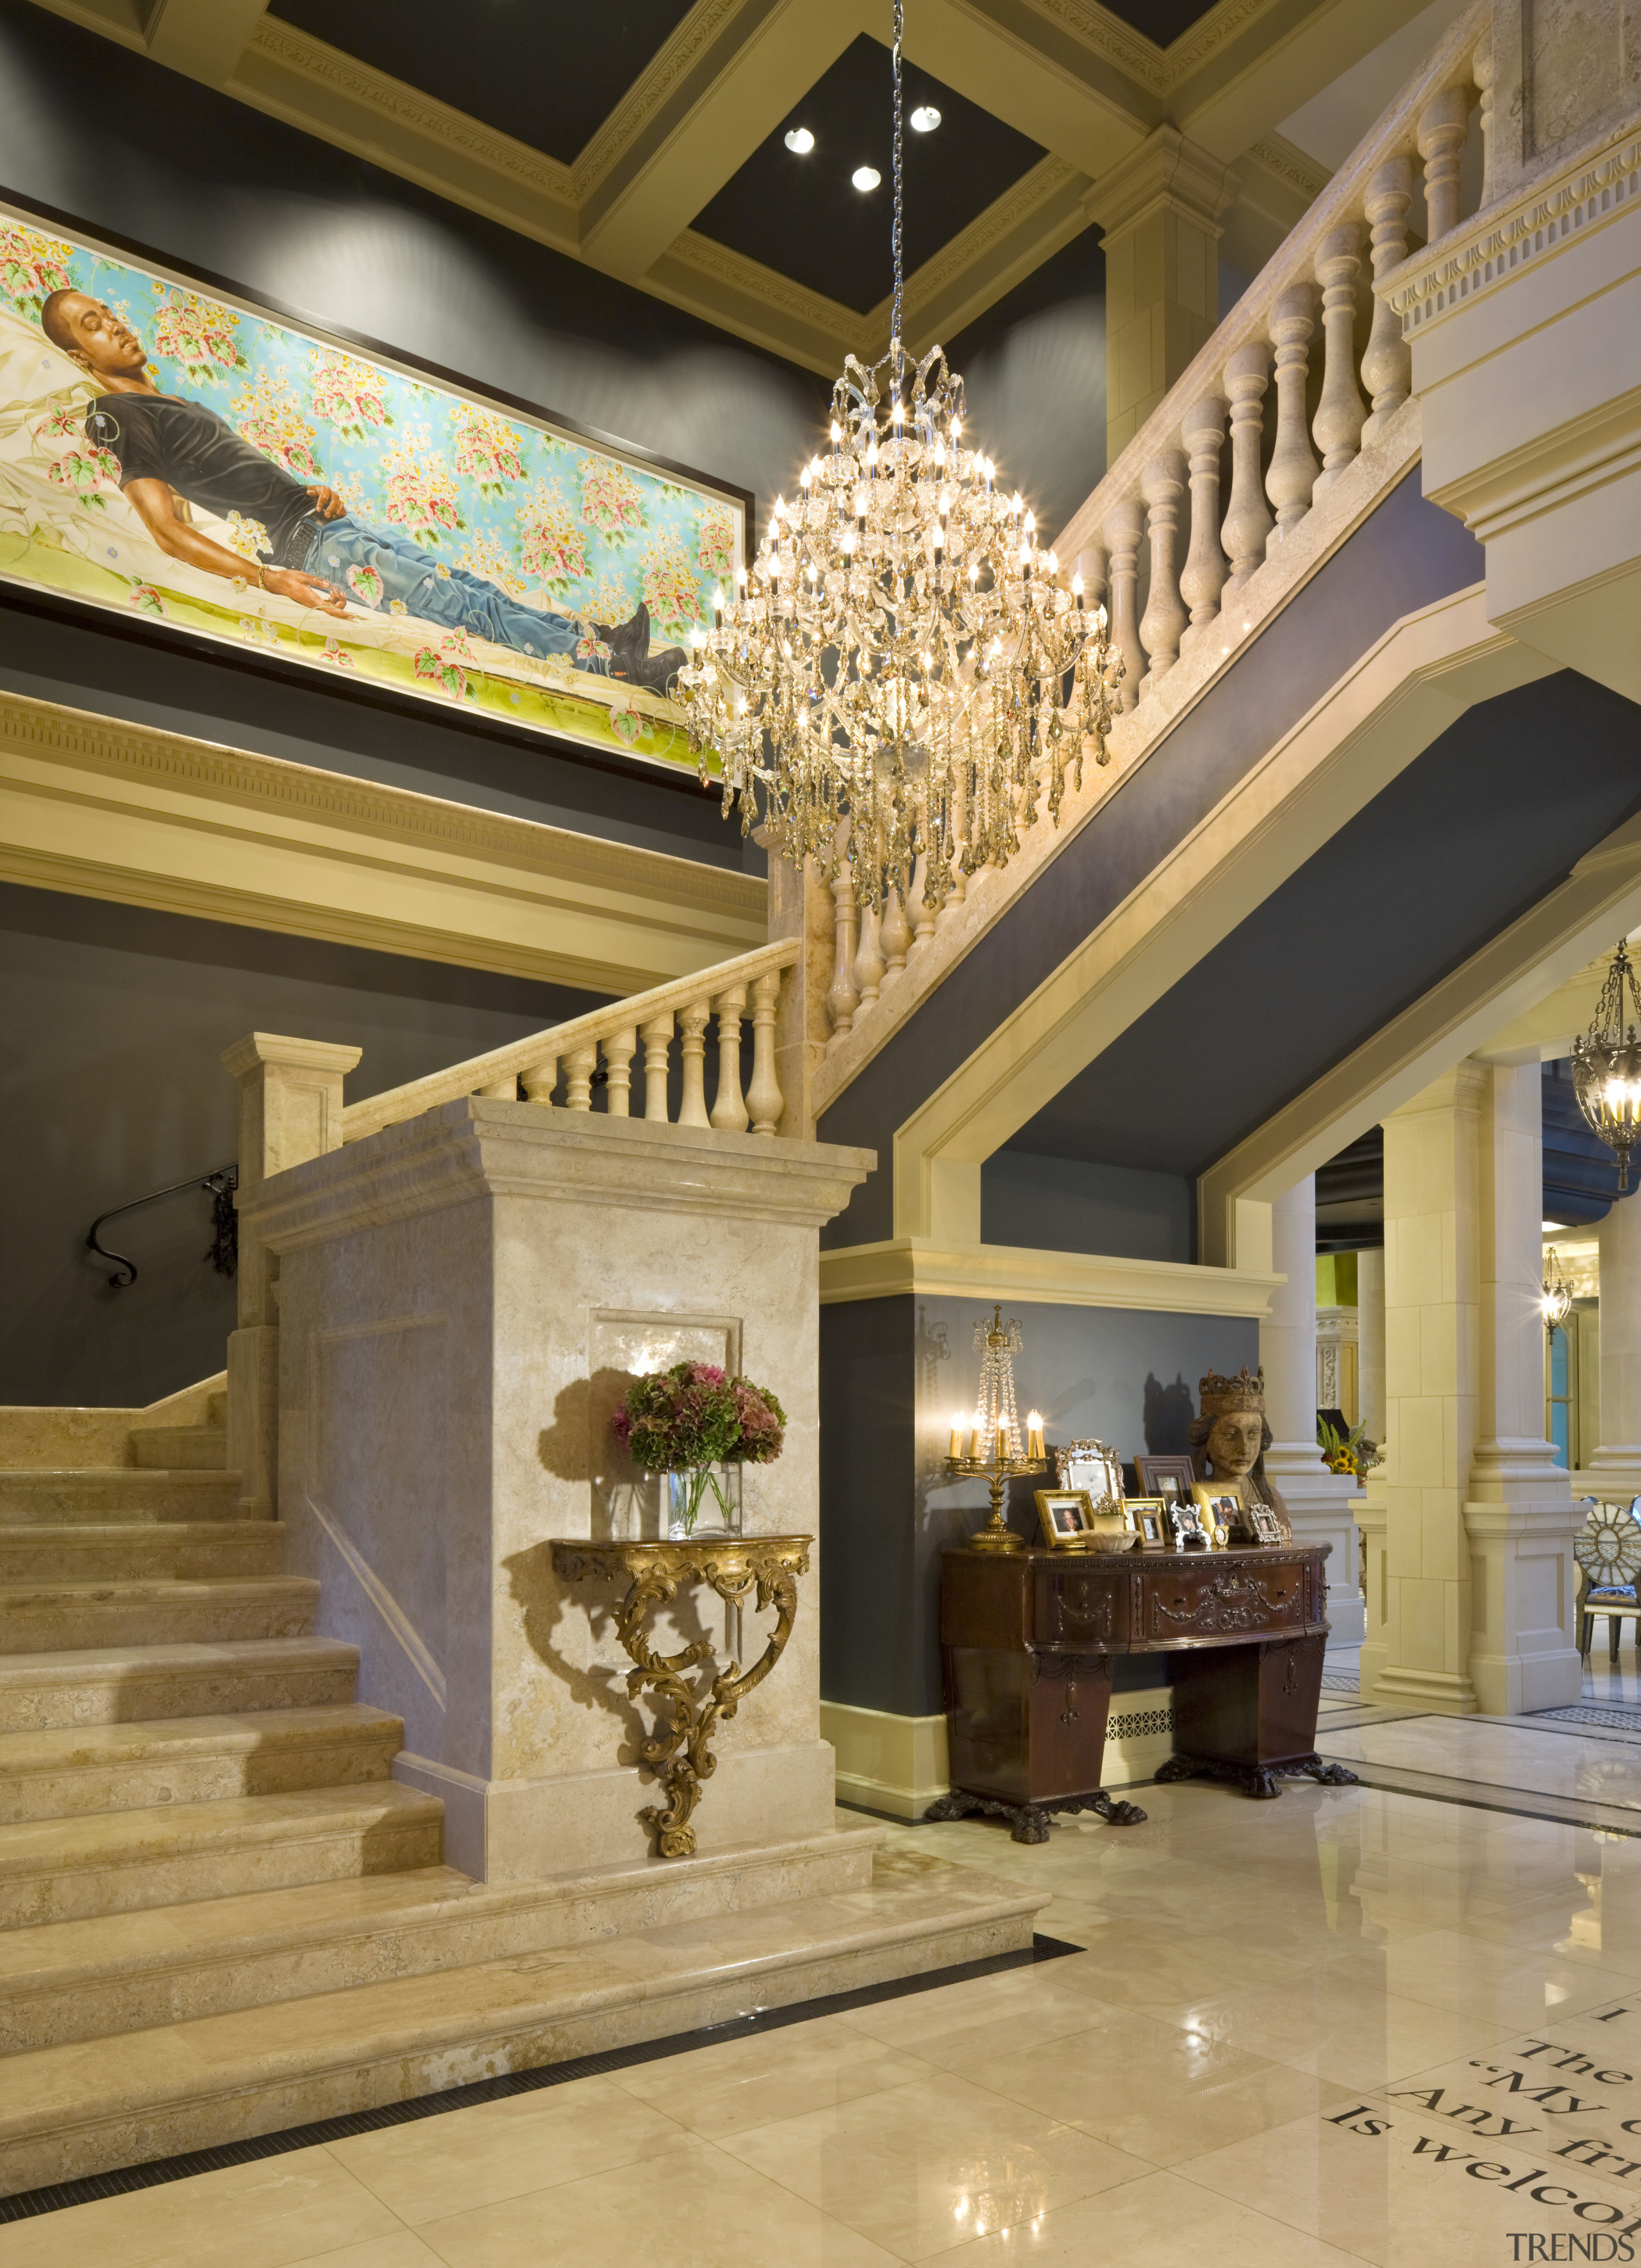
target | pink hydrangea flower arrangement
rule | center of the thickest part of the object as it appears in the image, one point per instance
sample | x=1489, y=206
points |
x=693, y=1417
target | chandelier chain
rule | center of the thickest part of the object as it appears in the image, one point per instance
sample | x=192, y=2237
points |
x=896, y=332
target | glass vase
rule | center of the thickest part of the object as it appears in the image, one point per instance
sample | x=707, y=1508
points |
x=702, y=1501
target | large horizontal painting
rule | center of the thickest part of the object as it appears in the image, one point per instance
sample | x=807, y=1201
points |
x=174, y=452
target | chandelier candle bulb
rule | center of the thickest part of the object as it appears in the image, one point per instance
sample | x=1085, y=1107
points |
x=1033, y=1434
x=956, y=1449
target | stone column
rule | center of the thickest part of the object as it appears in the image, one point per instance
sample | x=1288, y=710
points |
x=290, y=1110
x=800, y=906
x=1158, y=210
x=1418, y=1640
x=1370, y=1342
x=1615, y=1470
x=1317, y=1500
x=1519, y=1515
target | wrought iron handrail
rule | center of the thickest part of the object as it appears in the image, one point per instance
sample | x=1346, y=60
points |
x=223, y=1254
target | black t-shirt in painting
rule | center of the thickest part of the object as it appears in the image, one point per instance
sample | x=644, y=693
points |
x=160, y=436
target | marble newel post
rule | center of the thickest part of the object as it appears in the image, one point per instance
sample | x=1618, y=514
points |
x=1615, y=1470
x=1518, y=1516
x=290, y=1110
x=464, y=1299
x=1317, y=1500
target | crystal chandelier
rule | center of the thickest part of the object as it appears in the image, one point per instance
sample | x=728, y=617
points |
x=902, y=673
x=1607, y=1066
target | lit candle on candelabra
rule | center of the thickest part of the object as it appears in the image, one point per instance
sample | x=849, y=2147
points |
x=956, y=1449
x=1033, y=1434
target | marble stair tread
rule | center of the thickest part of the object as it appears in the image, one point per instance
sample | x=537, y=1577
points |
x=68, y=1869
x=115, y=1492
x=159, y=1610
x=124, y=1683
x=87, y=1551
x=196, y=1448
x=113, y=1973
x=69, y=1771
x=78, y=2108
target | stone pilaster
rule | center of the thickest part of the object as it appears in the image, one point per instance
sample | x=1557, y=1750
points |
x=1158, y=211
x=1318, y=1501
x=290, y=1110
x=1419, y=1644
x=1370, y=1341
x=1615, y=1470
x=1518, y=1516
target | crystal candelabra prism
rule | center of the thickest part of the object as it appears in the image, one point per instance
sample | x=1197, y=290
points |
x=997, y=1450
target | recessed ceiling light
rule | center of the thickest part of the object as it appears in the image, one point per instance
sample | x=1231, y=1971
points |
x=925, y=118
x=800, y=141
x=865, y=177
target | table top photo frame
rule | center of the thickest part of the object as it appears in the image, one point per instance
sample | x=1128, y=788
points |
x=1091, y=1465
x=1149, y=1516
x=1066, y=1517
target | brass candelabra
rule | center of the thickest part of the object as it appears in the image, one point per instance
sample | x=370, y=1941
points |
x=992, y=1456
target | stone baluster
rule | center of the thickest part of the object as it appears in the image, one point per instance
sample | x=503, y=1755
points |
x=1443, y=124
x=843, y=1000
x=692, y=1024
x=1096, y=571
x=1340, y=413
x=619, y=1050
x=1204, y=574
x=1482, y=71
x=539, y=1079
x=579, y=1066
x=896, y=936
x=729, y=1110
x=658, y=1041
x=922, y=915
x=1122, y=531
x=1292, y=473
x=869, y=963
x=764, y=1099
x=500, y=1090
x=1162, y=484
x=1248, y=521
x=1387, y=365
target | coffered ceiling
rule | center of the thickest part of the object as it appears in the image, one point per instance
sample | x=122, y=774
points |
x=646, y=137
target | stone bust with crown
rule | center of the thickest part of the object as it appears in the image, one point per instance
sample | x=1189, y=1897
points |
x=1230, y=1436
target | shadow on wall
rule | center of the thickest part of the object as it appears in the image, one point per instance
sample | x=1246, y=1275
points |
x=1168, y=1411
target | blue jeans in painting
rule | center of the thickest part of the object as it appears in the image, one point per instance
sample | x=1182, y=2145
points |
x=375, y=566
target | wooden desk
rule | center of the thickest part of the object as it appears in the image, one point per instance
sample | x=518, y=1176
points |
x=1027, y=1642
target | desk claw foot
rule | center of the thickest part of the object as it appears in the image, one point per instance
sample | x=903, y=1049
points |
x=1327, y=1775
x=1112, y=1809
x=1260, y=1782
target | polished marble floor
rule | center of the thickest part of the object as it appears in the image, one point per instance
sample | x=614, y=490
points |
x=1350, y=2025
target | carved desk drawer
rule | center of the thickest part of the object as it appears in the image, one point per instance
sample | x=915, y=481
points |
x=1223, y=1598
x=1077, y=1601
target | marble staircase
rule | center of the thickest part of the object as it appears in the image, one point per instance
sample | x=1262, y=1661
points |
x=221, y=1916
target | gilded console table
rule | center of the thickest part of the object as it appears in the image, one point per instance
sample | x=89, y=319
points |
x=1026, y=1644
x=734, y=1566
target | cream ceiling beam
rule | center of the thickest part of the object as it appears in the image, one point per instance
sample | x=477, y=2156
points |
x=736, y=68
x=1040, y=72
x=1275, y=59
x=204, y=38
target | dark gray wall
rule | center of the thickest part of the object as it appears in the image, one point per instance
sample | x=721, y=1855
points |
x=1067, y=1205
x=892, y=1373
x=1034, y=370
x=113, y=1020
x=1407, y=553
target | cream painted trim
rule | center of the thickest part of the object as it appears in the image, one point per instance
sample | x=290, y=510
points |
x=1600, y=900
x=109, y=810
x=1414, y=683
x=1062, y=1279
x=899, y=1765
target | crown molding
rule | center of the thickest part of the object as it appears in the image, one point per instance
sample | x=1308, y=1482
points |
x=920, y=1266
x=103, y=809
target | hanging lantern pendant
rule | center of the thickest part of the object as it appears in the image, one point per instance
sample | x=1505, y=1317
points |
x=1607, y=1065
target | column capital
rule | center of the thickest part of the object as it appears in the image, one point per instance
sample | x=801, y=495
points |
x=1167, y=171
x=1461, y=1088
x=275, y=1048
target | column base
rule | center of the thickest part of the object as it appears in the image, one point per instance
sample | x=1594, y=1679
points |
x=1442, y=1691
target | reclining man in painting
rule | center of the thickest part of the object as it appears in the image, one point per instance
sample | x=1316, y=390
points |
x=164, y=442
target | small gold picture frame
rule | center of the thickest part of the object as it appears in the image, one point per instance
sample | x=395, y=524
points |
x=1221, y=1510
x=1150, y=1517
x=1264, y=1524
x=1066, y=1517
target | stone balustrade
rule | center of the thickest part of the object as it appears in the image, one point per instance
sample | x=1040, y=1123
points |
x=1158, y=542
x=563, y=1067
